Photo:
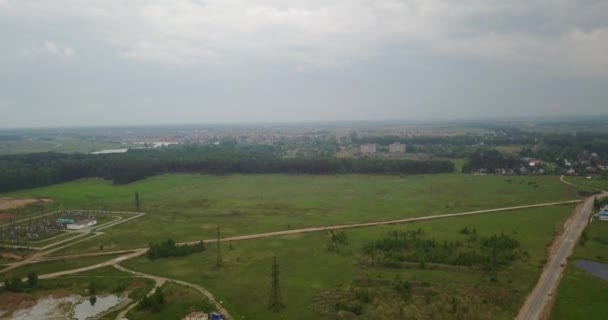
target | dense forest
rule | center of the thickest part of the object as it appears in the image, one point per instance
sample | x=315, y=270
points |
x=40, y=169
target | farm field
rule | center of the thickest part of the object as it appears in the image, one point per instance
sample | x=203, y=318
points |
x=582, y=295
x=320, y=281
x=188, y=207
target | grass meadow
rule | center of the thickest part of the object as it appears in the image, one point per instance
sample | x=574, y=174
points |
x=190, y=206
x=597, y=182
x=311, y=276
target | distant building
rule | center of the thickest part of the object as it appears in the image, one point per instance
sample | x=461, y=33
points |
x=396, y=147
x=571, y=172
x=81, y=224
x=196, y=315
x=603, y=214
x=368, y=148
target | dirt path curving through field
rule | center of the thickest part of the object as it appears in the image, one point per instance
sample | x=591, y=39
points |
x=198, y=288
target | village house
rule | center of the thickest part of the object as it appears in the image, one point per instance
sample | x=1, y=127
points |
x=81, y=224
x=368, y=148
x=396, y=147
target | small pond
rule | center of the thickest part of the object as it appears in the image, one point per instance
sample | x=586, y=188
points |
x=91, y=308
x=597, y=269
x=71, y=307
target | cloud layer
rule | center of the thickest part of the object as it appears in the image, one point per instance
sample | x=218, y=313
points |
x=560, y=34
x=281, y=41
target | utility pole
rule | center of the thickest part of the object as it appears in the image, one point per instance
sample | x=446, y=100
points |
x=219, y=249
x=276, y=302
x=137, y=200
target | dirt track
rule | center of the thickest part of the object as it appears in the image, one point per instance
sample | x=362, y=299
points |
x=200, y=289
x=539, y=303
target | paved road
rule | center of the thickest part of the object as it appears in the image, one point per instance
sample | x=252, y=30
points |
x=539, y=302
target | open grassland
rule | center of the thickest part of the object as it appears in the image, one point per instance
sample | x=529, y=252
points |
x=195, y=204
x=582, y=295
x=319, y=283
x=66, y=145
x=178, y=301
x=597, y=182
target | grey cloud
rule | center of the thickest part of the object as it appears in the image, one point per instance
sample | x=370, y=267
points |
x=228, y=60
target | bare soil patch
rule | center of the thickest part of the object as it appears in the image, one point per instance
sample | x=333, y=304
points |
x=5, y=216
x=12, y=203
x=10, y=256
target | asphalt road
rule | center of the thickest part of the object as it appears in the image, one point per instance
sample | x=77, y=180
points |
x=539, y=302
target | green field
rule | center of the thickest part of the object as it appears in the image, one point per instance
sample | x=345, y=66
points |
x=582, y=295
x=597, y=182
x=190, y=206
x=59, y=144
x=311, y=275
x=317, y=282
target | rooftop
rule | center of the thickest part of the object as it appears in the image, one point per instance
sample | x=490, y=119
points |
x=83, y=222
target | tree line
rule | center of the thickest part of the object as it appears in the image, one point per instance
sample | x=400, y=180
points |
x=491, y=159
x=489, y=253
x=170, y=249
x=15, y=284
x=41, y=169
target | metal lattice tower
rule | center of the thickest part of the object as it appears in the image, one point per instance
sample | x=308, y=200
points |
x=275, y=302
x=219, y=249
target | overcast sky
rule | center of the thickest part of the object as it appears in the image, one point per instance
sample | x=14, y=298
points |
x=104, y=62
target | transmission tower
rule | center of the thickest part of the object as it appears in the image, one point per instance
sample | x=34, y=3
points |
x=219, y=249
x=275, y=302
